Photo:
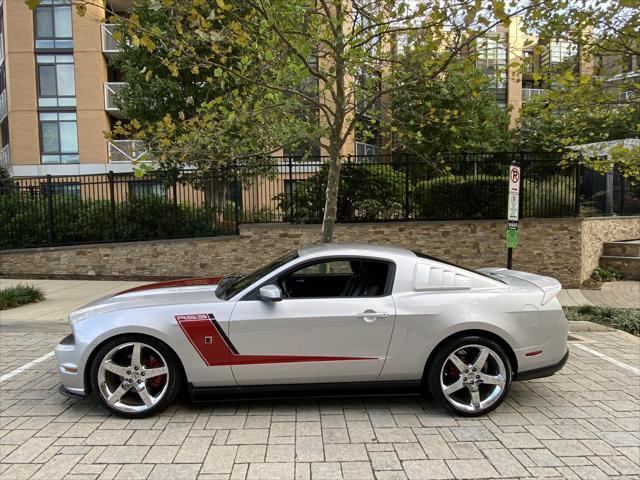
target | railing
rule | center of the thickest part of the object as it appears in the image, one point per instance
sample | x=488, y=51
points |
x=127, y=151
x=1, y=47
x=111, y=90
x=628, y=96
x=109, y=44
x=170, y=204
x=4, y=110
x=529, y=93
x=5, y=159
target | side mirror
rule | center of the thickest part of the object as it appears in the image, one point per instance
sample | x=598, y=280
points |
x=270, y=293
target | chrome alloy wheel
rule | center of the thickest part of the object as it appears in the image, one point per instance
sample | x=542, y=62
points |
x=473, y=378
x=133, y=377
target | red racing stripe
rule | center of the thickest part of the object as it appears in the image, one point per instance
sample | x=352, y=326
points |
x=199, y=328
x=186, y=282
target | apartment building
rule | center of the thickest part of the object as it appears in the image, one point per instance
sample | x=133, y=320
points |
x=56, y=99
x=57, y=92
x=511, y=56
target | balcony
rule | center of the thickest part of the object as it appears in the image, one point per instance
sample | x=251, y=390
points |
x=5, y=160
x=125, y=151
x=110, y=47
x=529, y=93
x=111, y=90
x=4, y=110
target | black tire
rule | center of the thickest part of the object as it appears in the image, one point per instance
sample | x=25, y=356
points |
x=434, y=370
x=174, y=381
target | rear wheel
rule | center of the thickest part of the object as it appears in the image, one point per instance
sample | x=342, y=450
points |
x=135, y=376
x=470, y=376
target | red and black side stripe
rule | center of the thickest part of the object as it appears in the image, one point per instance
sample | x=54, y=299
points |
x=214, y=346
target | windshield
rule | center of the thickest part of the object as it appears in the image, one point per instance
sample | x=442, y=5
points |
x=230, y=286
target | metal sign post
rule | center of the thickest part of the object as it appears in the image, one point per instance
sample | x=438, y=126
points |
x=513, y=207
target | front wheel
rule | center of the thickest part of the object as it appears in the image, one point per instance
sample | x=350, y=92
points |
x=135, y=376
x=469, y=376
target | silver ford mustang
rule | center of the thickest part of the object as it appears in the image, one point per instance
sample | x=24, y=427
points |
x=326, y=317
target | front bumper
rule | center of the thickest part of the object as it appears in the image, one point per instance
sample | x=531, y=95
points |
x=545, y=371
x=70, y=370
x=62, y=390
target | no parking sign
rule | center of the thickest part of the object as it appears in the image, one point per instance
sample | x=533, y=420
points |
x=513, y=207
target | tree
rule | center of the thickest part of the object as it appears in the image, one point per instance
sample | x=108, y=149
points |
x=184, y=112
x=579, y=111
x=335, y=56
x=454, y=112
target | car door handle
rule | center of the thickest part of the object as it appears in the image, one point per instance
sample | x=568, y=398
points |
x=370, y=316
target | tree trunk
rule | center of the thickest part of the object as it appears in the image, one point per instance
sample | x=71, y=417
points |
x=335, y=135
x=331, y=198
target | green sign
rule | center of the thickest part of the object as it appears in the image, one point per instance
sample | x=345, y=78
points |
x=512, y=238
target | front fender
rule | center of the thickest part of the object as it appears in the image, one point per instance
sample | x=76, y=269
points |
x=159, y=323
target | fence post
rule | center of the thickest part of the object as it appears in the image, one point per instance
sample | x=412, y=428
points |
x=238, y=198
x=622, y=185
x=521, y=211
x=49, y=210
x=174, y=182
x=578, y=189
x=112, y=198
x=290, y=192
x=407, y=213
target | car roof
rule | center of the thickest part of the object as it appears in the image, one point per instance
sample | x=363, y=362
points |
x=366, y=249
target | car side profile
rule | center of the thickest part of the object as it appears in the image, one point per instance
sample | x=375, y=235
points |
x=331, y=316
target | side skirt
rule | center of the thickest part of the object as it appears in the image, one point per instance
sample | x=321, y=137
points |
x=305, y=390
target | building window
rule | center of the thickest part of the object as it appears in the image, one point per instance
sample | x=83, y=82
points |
x=53, y=24
x=291, y=187
x=56, y=81
x=146, y=188
x=71, y=189
x=59, y=137
x=492, y=58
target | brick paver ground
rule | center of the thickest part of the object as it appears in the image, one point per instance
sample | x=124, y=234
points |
x=582, y=423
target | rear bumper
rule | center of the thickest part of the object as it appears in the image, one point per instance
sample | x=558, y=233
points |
x=546, y=371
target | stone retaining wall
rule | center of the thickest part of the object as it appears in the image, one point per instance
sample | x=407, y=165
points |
x=566, y=248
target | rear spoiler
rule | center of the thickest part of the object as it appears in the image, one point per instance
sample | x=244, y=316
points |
x=549, y=286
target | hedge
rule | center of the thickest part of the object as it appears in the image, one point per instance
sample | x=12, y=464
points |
x=460, y=198
x=367, y=192
x=23, y=220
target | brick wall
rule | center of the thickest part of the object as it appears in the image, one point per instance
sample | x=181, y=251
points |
x=567, y=248
x=598, y=231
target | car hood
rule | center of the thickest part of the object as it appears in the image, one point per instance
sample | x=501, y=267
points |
x=187, y=291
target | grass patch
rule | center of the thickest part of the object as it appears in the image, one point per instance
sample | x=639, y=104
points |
x=627, y=319
x=19, y=295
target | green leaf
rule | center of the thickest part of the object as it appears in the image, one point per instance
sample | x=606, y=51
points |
x=32, y=4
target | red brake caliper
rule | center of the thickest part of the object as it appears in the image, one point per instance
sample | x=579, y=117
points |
x=155, y=381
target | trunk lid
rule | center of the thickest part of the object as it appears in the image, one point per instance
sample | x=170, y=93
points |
x=548, y=286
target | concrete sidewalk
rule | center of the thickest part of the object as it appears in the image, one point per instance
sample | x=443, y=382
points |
x=61, y=297
x=64, y=296
x=625, y=294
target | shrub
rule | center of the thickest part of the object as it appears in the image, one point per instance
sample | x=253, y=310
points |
x=367, y=192
x=460, y=197
x=626, y=319
x=548, y=197
x=21, y=294
x=24, y=220
x=606, y=274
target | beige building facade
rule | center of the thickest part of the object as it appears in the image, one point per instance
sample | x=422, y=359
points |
x=56, y=100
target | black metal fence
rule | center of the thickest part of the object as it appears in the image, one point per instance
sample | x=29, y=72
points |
x=39, y=211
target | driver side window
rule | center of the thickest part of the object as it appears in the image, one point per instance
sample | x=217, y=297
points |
x=351, y=277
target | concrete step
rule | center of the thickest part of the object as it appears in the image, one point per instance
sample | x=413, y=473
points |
x=622, y=249
x=628, y=266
